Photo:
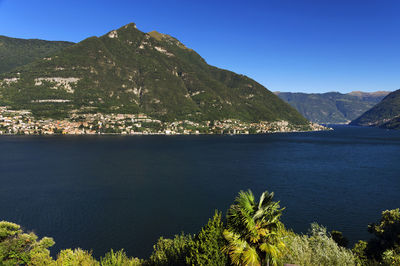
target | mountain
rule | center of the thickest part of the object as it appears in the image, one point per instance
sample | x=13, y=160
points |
x=385, y=114
x=129, y=71
x=375, y=97
x=17, y=52
x=332, y=107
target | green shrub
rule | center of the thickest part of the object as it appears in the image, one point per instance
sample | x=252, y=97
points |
x=338, y=237
x=171, y=251
x=391, y=257
x=206, y=247
x=386, y=235
x=17, y=247
x=119, y=258
x=359, y=250
x=40, y=254
x=317, y=248
x=76, y=257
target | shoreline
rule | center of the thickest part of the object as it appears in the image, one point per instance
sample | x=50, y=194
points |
x=21, y=122
x=165, y=134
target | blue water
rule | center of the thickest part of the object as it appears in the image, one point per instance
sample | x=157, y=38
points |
x=99, y=193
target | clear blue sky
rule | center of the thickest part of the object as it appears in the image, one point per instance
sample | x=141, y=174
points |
x=286, y=45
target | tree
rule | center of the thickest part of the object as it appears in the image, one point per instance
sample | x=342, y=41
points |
x=17, y=247
x=170, y=251
x=254, y=229
x=338, y=237
x=359, y=250
x=315, y=248
x=387, y=234
x=391, y=257
x=205, y=249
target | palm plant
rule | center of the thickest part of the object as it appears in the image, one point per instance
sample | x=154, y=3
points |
x=253, y=230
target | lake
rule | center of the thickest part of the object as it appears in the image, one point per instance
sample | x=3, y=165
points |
x=103, y=192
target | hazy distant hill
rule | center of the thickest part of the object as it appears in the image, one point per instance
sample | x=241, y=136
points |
x=129, y=71
x=386, y=114
x=17, y=52
x=332, y=107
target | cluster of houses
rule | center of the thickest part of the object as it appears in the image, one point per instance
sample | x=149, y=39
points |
x=13, y=122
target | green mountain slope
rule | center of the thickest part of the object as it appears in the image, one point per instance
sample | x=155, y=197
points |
x=128, y=71
x=386, y=114
x=17, y=52
x=393, y=123
x=332, y=107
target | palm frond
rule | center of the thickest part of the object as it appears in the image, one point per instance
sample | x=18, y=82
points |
x=254, y=230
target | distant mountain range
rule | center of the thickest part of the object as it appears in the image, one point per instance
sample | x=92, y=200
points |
x=332, y=107
x=18, y=52
x=129, y=71
x=385, y=114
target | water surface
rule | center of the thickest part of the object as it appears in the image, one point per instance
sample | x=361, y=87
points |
x=125, y=192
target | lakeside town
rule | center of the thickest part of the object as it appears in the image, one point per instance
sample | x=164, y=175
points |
x=22, y=122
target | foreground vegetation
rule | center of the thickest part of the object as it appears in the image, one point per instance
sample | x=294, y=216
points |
x=252, y=235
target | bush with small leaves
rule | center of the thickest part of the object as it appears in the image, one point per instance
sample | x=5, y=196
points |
x=316, y=248
x=206, y=247
x=76, y=257
x=171, y=251
x=338, y=237
x=40, y=254
x=17, y=247
x=387, y=234
x=391, y=257
x=119, y=258
x=359, y=250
